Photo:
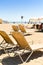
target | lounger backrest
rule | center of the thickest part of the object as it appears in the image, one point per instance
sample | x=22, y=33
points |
x=21, y=40
x=21, y=27
x=15, y=28
x=6, y=37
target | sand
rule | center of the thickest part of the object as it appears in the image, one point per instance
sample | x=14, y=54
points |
x=34, y=38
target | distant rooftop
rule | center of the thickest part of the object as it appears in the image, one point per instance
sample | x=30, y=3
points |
x=37, y=20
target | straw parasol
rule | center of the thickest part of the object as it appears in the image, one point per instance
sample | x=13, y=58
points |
x=1, y=21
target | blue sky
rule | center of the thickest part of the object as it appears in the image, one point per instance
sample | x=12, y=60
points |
x=12, y=10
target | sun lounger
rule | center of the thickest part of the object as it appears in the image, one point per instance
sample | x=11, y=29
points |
x=6, y=40
x=21, y=27
x=25, y=45
x=15, y=28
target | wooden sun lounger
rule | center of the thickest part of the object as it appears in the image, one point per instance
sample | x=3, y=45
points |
x=25, y=45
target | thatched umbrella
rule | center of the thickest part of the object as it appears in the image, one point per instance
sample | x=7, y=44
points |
x=1, y=21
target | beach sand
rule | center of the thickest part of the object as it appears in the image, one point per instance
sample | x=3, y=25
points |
x=34, y=38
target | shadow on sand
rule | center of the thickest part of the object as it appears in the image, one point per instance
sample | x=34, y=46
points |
x=2, y=52
x=16, y=60
x=39, y=31
x=27, y=34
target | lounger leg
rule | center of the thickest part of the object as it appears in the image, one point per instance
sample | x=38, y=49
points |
x=20, y=57
x=29, y=56
x=4, y=50
x=1, y=42
x=2, y=47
